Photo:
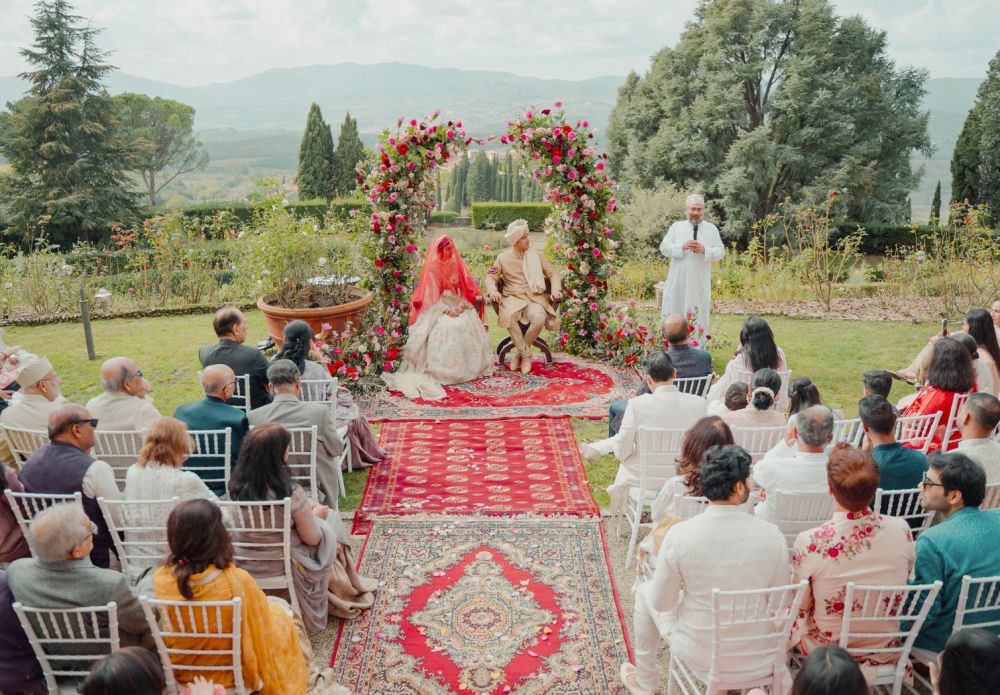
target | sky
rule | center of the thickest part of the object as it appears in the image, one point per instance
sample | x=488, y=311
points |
x=197, y=42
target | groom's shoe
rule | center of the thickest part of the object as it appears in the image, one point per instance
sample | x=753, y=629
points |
x=589, y=453
x=526, y=363
x=515, y=363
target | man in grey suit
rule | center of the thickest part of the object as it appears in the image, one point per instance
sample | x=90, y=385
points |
x=61, y=574
x=289, y=410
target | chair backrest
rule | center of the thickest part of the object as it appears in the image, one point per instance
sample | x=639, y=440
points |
x=23, y=443
x=847, y=431
x=992, y=499
x=262, y=542
x=321, y=390
x=302, y=455
x=196, y=637
x=978, y=604
x=904, y=504
x=888, y=616
x=27, y=505
x=795, y=512
x=241, y=395
x=657, y=450
x=687, y=507
x=212, y=457
x=68, y=641
x=119, y=449
x=758, y=440
x=917, y=429
x=695, y=385
x=951, y=422
x=139, y=531
x=753, y=625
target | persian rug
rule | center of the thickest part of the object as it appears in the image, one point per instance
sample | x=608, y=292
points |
x=569, y=386
x=469, y=467
x=483, y=605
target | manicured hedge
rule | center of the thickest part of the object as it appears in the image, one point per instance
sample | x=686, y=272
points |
x=340, y=207
x=492, y=215
x=443, y=217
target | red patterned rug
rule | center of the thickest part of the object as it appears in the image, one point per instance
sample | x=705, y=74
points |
x=569, y=386
x=485, y=605
x=477, y=467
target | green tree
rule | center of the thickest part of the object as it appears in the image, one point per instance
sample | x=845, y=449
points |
x=161, y=132
x=350, y=151
x=459, y=194
x=315, y=177
x=68, y=159
x=975, y=164
x=481, y=178
x=936, y=205
x=766, y=100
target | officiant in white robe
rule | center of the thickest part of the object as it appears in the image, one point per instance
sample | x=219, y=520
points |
x=692, y=245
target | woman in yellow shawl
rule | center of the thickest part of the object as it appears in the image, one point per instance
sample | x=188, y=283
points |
x=200, y=568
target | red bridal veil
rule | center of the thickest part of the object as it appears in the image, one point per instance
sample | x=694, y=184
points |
x=444, y=270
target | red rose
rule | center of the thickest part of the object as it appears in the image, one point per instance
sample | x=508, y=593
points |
x=833, y=552
x=379, y=263
x=402, y=148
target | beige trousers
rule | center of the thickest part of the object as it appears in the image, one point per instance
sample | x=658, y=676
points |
x=533, y=315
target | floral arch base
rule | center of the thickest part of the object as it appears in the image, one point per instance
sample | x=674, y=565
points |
x=398, y=183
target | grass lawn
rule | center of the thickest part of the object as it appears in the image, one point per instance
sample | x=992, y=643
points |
x=832, y=353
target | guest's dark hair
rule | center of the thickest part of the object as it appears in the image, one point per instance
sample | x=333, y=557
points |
x=705, y=433
x=758, y=344
x=959, y=472
x=969, y=664
x=132, y=670
x=225, y=320
x=877, y=382
x=969, y=343
x=853, y=476
x=660, y=367
x=829, y=671
x=951, y=367
x=736, y=395
x=877, y=412
x=261, y=473
x=769, y=379
x=197, y=538
x=721, y=468
x=981, y=328
x=984, y=409
x=802, y=394
x=298, y=339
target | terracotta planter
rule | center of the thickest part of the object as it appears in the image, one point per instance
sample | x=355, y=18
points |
x=336, y=316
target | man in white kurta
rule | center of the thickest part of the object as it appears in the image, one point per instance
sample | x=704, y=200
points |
x=692, y=246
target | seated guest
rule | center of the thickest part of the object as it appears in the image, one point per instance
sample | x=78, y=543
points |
x=900, y=467
x=762, y=395
x=968, y=664
x=757, y=350
x=802, y=394
x=290, y=411
x=12, y=542
x=61, y=574
x=123, y=405
x=977, y=421
x=805, y=469
x=984, y=380
x=736, y=399
x=857, y=545
x=707, y=432
x=955, y=486
x=827, y=671
x=211, y=413
x=157, y=475
x=877, y=382
x=995, y=316
x=231, y=326
x=950, y=374
x=63, y=467
x=39, y=398
x=132, y=670
x=690, y=362
x=365, y=450
x=19, y=669
x=322, y=561
x=200, y=567
x=664, y=406
x=722, y=548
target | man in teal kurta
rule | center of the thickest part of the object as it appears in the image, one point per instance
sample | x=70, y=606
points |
x=965, y=543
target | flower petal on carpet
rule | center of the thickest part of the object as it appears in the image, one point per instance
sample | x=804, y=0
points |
x=570, y=386
x=485, y=605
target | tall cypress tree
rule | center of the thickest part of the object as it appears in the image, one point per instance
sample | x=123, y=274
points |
x=315, y=177
x=350, y=151
x=975, y=164
x=936, y=205
x=68, y=158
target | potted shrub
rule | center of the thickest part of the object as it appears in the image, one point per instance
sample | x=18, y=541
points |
x=300, y=269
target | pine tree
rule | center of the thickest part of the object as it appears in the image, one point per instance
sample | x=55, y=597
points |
x=350, y=151
x=936, y=206
x=965, y=161
x=68, y=159
x=975, y=164
x=315, y=177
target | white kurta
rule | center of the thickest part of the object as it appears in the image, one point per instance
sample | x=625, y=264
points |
x=689, y=281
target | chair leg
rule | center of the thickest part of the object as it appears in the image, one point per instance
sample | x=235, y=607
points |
x=504, y=347
x=636, y=522
x=544, y=347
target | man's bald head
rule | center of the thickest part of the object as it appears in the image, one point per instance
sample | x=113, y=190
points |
x=215, y=378
x=675, y=329
x=116, y=372
x=61, y=419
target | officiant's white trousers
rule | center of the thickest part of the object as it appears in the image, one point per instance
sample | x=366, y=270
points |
x=533, y=315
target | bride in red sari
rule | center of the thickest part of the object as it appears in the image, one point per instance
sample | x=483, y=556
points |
x=447, y=343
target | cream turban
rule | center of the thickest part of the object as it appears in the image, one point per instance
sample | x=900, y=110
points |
x=33, y=370
x=515, y=230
